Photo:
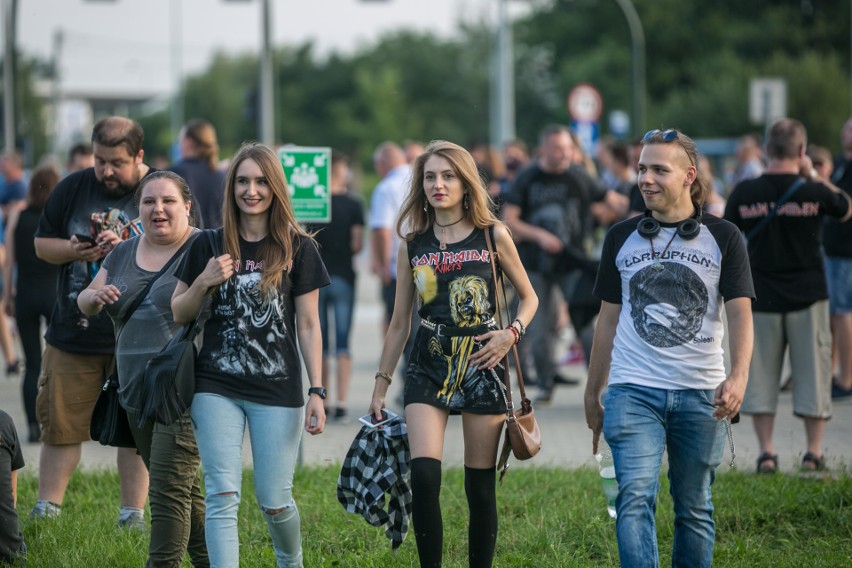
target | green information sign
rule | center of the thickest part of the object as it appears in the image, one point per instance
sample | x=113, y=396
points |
x=308, y=173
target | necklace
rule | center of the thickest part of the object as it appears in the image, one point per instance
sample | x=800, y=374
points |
x=657, y=264
x=442, y=239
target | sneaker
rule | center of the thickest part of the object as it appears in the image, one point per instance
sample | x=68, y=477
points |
x=340, y=414
x=13, y=368
x=839, y=393
x=45, y=510
x=134, y=521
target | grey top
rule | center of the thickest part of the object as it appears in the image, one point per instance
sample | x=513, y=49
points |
x=149, y=328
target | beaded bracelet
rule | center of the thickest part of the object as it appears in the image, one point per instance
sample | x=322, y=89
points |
x=523, y=329
x=385, y=376
x=516, y=333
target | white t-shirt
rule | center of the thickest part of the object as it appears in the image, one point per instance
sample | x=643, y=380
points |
x=386, y=204
x=670, y=330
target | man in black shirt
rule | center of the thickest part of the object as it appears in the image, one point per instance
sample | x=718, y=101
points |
x=86, y=216
x=781, y=213
x=549, y=213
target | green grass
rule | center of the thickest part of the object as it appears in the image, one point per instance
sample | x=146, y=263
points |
x=548, y=518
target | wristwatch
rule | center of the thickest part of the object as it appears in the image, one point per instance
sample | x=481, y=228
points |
x=319, y=391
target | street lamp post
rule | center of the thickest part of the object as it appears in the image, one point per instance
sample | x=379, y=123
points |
x=637, y=37
x=267, y=93
x=9, y=13
x=503, y=80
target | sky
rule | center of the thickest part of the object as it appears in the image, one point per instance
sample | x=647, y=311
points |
x=125, y=46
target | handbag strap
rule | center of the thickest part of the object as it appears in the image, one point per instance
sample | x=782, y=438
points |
x=778, y=204
x=193, y=328
x=491, y=255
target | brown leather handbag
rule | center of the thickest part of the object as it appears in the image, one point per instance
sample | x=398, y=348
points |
x=523, y=437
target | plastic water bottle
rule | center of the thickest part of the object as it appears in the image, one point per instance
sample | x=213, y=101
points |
x=607, y=472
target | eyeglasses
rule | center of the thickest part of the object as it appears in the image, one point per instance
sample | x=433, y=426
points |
x=670, y=135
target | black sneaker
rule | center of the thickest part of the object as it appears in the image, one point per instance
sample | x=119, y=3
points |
x=340, y=414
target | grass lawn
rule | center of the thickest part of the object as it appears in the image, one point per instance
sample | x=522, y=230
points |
x=548, y=518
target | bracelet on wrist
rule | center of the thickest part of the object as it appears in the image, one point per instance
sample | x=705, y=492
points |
x=385, y=376
x=522, y=329
x=515, y=332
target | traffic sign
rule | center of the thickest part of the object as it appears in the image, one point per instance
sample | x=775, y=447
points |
x=308, y=173
x=585, y=103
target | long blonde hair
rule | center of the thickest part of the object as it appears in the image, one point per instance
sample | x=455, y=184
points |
x=417, y=216
x=277, y=251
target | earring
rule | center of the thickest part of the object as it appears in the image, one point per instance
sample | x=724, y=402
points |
x=426, y=208
x=466, y=201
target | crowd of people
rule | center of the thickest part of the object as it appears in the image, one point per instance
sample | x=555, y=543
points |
x=688, y=295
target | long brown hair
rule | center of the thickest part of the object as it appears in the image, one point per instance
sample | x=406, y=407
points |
x=417, y=216
x=700, y=188
x=277, y=250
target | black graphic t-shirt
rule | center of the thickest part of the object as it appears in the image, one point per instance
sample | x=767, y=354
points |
x=81, y=204
x=455, y=287
x=249, y=349
x=670, y=331
x=560, y=204
x=786, y=260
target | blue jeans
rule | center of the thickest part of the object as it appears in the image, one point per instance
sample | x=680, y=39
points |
x=275, y=433
x=339, y=296
x=639, y=424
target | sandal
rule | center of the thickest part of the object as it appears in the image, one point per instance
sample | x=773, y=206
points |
x=767, y=463
x=811, y=462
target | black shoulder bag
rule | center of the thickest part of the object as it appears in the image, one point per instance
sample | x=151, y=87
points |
x=109, y=424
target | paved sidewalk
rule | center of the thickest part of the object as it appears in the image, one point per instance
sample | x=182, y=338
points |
x=566, y=440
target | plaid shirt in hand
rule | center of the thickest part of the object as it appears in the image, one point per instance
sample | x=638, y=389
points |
x=378, y=462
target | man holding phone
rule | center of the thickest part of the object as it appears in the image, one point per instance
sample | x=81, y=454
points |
x=87, y=215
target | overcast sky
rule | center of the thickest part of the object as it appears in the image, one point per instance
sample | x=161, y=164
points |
x=120, y=46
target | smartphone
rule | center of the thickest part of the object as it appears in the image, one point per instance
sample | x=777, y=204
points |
x=370, y=420
x=83, y=238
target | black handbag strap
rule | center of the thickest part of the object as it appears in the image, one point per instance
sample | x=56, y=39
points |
x=194, y=327
x=778, y=204
x=141, y=295
x=498, y=312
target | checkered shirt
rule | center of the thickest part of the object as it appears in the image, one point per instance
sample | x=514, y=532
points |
x=379, y=462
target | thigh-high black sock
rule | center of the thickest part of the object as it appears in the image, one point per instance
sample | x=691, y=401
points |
x=426, y=510
x=480, y=487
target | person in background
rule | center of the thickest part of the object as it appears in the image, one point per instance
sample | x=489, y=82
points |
x=548, y=212
x=837, y=243
x=169, y=452
x=412, y=149
x=750, y=164
x=13, y=550
x=88, y=213
x=339, y=242
x=80, y=157
x=664, y=280
x=455, y=368
x=516, y=157
x=791, y=310
x=36, y=280
x=265, y=293
x=199, y=166
x=12, y=195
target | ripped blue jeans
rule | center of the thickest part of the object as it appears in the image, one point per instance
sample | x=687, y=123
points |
x=275, y=433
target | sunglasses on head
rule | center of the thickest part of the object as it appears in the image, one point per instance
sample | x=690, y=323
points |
x=667, y=136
